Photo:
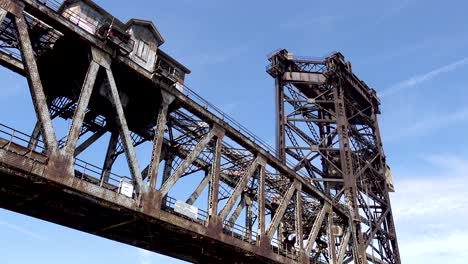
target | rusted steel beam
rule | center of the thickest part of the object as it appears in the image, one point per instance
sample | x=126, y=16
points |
x=109, y=159
x=331, y=239
x=215, y=170
x=80, y=111
x=169, y=159
x=350, y=188
x=194, y=196
x=125, y=133
x=316, y=228
x=11, y=63
x=285, y=201
x=261, y=204
x=343, y=246
x=167, y=185
x=248, y=218
x=298, y=219
x=89, y=141
x=34, y=140
x=35, y=84
x=258, y=161
x=240, y=206
x=158, y=139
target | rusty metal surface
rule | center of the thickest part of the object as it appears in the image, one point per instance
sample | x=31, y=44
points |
x=327, y=128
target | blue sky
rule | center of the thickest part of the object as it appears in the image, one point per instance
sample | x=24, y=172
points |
x=413, y=52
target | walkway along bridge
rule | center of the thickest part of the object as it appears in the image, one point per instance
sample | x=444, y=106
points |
x=322, y=197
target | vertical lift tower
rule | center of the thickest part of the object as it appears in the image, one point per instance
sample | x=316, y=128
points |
x=327, y=131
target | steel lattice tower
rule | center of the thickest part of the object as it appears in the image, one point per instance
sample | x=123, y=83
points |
x=327, y=130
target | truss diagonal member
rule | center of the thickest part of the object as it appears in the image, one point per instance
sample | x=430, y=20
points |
x=343, y=246
x=35, y=84
x=286, y=200
x=188, y=161
x=88, y=142
x=80, y=111
x=235, y=215
x=375, y=226
x=316, y=228
x=258, y=161
x=193, y=197
x=125, y=133
x=158, y=139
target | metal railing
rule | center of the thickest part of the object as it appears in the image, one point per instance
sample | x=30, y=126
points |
x=83, y=170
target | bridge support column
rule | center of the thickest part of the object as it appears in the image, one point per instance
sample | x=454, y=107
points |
x=152, y=173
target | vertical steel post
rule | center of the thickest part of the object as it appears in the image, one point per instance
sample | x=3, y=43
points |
x=350, y=188
x=280, y=119
x=215, y=171
x=261, y=204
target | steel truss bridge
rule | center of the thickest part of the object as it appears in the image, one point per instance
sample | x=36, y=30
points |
x=325, y=185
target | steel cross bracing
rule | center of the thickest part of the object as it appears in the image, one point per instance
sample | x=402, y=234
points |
x=252, y=201
x=327, y=129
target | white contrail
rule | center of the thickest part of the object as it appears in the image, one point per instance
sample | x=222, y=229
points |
x=417, y=79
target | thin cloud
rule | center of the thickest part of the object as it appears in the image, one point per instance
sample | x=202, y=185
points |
x=418, y=79
x=22, y=230
x=428, y=206
x=427, y=125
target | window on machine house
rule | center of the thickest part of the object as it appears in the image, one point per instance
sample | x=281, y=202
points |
x=142, y=50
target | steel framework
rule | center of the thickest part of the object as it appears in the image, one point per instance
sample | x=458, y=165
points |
x=249, y=202
x=327, y=130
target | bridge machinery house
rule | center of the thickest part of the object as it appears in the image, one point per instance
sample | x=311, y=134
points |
x=138, y=39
